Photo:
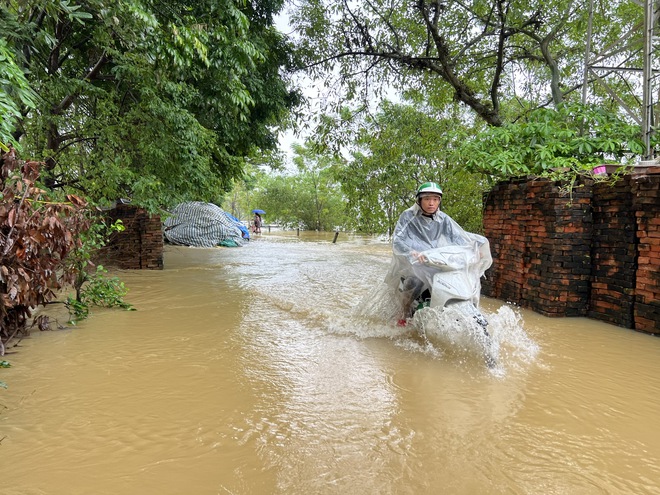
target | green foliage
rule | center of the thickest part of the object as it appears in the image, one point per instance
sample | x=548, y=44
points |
x=79, y=261
x=4, y=364
x=92, y=287
x=77, y=310
x=572, y=137
x=310, y=198
x=100, y=290
x=399, y=148
x=245, y=193
x=15, y=93
x=150, y=101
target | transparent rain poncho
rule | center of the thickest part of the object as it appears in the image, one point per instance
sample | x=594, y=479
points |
x=418, y=234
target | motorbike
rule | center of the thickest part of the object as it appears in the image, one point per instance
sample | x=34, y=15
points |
x=451, y=276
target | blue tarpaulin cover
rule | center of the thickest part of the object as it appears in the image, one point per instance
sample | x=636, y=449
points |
x=239, y=224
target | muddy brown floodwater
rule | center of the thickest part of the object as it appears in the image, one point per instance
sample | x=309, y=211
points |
x=247, y=371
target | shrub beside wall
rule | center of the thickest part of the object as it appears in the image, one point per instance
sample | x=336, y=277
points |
x=585, y=249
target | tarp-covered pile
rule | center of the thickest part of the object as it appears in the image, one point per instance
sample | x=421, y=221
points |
x=203, y=225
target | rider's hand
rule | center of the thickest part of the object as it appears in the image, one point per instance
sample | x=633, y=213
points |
x=418, y=257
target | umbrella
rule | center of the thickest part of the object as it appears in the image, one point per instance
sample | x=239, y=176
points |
x=261, y=212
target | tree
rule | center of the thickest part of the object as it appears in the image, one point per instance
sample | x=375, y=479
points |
x=244, y=194
x=319, y=188
x=503, y=60
x=498, y=57
x=399, y=148
x=310, y=198
x=156, y=100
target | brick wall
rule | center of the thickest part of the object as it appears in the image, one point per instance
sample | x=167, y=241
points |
x=540, y=234
x=646, y=202
x=140, y=245
x=583, y=249
x=613, y=253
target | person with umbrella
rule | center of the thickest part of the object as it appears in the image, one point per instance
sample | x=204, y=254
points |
x=257, y=222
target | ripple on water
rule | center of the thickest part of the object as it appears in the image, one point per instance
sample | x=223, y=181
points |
x=263, y=370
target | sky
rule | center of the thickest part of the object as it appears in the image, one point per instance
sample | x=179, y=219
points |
x=287, y=139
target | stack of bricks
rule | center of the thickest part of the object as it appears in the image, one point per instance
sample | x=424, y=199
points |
x=587, y=250
x=540, y=233
x=613, y=254
x=646, y=202
x=557, y=282
x=505, y=214
x=140, y=245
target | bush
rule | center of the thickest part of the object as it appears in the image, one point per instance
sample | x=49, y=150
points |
x=36, y=236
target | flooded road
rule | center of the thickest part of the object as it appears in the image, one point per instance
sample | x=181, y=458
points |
x=248, y=371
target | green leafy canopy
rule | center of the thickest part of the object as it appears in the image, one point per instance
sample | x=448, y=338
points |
x=573, y=137
x=157, y=101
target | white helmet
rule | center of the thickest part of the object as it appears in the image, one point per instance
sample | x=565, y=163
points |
x=429, y=187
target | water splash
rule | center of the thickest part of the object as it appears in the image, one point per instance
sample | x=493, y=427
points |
x=448, y=334
x=381, y=304
x=374, y=316
x=457, y=333
x=516, y=348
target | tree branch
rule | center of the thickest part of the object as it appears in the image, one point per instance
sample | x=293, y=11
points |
x=69, y=99
x=501, y=39
x=462, y=92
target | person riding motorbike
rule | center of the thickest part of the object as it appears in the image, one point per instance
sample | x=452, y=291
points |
x=420, y=228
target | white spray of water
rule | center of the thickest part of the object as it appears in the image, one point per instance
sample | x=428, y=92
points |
x=463, y=340
x=456, y=332
x=448, y=334
x=516, y=348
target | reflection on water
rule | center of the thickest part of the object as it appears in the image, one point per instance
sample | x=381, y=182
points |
x=255, y=371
